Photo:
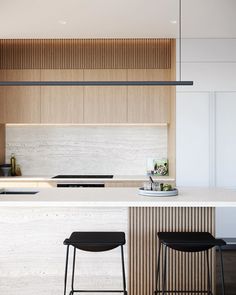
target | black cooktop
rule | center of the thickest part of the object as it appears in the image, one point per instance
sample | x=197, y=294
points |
x=83, y=176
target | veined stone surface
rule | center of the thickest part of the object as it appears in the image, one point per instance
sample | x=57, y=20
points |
x=32, y=254
x=52, y=150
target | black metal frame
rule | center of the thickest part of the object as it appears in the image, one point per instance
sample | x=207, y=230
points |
x=164, y=291
x=72, y=291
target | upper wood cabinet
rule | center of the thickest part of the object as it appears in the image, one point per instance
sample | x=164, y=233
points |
x=105, y=104
x=87, y=60
x=88, y=105
x=62, y=104
x=148, y=104
x=22, y=104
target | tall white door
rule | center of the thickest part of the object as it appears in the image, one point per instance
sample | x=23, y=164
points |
x=226, y=158
x=192, y=139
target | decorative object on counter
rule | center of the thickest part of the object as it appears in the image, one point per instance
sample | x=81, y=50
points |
x=166, y=187
x=6, y=169
x=156, y=189
x=18, y=170
x=157, y=167
x=152, y=193
x=161, y=167
x=13, y=165
x=154, y=185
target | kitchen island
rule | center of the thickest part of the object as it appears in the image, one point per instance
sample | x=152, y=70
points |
x=33, y=228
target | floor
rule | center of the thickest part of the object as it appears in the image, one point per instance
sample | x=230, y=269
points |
x=230, y=272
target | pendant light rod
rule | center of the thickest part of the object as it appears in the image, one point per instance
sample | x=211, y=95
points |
x=96, y=83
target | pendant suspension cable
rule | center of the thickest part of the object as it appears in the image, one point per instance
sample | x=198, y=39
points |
x=180, y=39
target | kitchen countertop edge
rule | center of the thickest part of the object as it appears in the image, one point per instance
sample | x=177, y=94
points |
x=121, y=197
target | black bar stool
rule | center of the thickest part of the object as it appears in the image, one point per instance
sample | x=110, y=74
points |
x=188, y=242
x=94, y=242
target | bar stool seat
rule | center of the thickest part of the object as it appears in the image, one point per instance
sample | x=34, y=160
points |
x=187, y=242
x=96, y=241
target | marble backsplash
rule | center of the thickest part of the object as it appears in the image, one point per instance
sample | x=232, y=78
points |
x=52, y=150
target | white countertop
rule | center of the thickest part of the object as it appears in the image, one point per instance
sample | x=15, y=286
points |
x=121, y=197
x=48, y=178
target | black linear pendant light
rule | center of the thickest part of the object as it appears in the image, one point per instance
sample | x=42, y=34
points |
x=112, y=83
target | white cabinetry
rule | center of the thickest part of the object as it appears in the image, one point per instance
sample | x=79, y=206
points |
x=226, y=158
x=208, y=158
x=192, y=139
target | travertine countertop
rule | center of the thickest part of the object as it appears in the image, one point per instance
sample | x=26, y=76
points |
x=121, y=197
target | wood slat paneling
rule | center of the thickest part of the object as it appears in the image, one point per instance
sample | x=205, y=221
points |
x=185, y=270
x=85, y=54
x=2, y=143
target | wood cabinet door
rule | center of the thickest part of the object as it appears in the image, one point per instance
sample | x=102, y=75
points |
x=22, y=103
x=148, y=104
x=62, y=104
x=105, y=104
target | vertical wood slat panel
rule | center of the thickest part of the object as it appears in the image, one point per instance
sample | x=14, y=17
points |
x=2, y=143
x=86, y=54
x=185, y=270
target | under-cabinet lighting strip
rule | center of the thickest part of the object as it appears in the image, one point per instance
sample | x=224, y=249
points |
x=96, y=83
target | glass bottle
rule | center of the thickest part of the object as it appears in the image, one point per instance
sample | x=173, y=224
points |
x=13, y=165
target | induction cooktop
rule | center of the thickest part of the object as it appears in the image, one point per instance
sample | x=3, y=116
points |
x=83, y=176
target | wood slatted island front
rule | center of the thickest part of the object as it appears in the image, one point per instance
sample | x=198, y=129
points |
x=33, y=228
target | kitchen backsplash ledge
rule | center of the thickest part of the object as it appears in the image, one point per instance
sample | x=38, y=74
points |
x=52, y=150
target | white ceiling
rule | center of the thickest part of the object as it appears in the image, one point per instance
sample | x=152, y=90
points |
x=116, y=18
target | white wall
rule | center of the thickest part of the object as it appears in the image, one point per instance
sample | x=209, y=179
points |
x=206, y=120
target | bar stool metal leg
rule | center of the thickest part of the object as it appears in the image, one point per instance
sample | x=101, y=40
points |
x=222, y=272
x=123, y=270
x=164, y=271
x=73, y=272
x=158, y=268
x=66, y=268
x=209, y=292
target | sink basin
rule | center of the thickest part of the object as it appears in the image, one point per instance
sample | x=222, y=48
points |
x=16, y=192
